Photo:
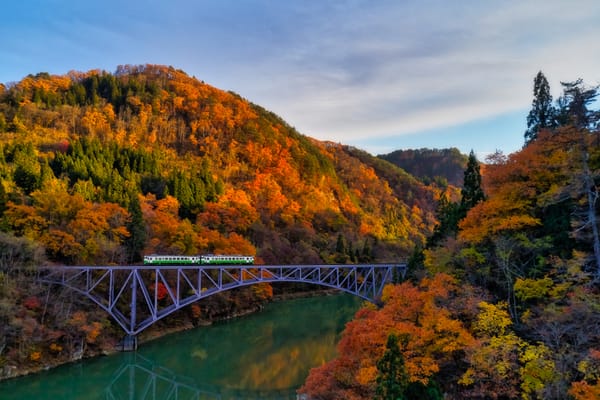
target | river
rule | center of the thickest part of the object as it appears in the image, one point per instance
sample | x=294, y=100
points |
x=266, y=355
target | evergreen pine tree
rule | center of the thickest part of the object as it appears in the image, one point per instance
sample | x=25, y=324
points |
x=581, y=122
x=472, y=192
x=573, y=105
x=341, y=255
x=417, y=258
x=448, y=215
x=340, y=246
x=136, y=241
x=350, y=252
x=543, y=113
x=392, y=379
x=46, y=173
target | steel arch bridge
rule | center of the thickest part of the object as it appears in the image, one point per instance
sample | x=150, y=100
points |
x=138, y=296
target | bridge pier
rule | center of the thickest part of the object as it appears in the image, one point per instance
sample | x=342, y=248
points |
x=129, y=343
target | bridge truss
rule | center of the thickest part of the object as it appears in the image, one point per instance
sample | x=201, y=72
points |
x=138, y=296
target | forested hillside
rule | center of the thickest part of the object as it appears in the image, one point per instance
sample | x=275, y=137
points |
x=102, y=168
x=442, y=165
x=504, y=301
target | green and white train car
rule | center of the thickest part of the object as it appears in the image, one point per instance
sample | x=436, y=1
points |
x=220, y=259
x=205, y=259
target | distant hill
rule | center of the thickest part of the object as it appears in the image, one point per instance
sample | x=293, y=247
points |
x=189, y=168
x=431, y=164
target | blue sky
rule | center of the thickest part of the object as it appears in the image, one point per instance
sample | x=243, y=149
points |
x=380, y=75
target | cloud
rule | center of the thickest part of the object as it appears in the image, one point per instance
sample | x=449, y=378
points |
x=339, y=70
x=398, y=68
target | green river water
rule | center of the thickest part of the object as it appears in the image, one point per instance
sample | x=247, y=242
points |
x=266, y=355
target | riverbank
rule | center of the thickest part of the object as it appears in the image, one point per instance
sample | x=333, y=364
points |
x=14, y=371
x=265, y=355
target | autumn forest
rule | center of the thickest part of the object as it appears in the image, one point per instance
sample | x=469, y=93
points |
x=502, y=296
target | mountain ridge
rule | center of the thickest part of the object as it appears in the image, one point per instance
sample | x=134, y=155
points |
x=261, y=167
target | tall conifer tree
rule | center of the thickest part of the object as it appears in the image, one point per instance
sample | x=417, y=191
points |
x=136, y=226
x=449, y=213
x=472, y=192
x=580, y=123
x=392, y=380
x=543, y=113
x=574, y=105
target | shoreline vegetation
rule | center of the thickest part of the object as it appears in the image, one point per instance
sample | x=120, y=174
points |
x=13, y=372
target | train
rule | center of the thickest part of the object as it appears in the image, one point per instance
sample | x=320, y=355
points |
x=204, y=259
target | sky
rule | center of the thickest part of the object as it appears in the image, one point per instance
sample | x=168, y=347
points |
x=378, y=75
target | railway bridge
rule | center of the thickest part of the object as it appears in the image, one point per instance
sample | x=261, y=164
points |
x=137, y=296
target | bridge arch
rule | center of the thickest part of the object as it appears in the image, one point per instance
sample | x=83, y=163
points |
x=138, y=296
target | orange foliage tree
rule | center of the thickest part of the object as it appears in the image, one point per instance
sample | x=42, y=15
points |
x=433, y=338
x=71, y=228
x=589, y=386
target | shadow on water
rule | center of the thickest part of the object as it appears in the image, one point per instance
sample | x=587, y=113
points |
x=266, y=355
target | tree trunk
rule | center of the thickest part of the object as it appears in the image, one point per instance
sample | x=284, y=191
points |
x=592, y=197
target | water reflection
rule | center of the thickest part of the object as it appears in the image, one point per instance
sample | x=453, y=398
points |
x=262, y=356
x=270, y=350
x=141, y=379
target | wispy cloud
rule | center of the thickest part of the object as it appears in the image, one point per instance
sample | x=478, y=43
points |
x=348, y=70
x=405, y=67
